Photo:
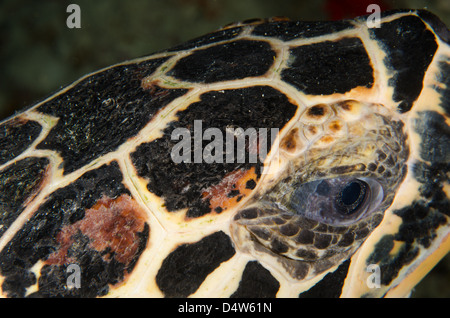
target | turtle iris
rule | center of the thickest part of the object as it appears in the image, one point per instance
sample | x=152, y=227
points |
x=351, y=197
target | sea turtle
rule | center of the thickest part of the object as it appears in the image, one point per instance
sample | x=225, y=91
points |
x=268, y=158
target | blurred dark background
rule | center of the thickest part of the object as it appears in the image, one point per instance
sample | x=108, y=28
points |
x=39, y=54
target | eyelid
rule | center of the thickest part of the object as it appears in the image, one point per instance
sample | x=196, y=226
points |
x=376, y=193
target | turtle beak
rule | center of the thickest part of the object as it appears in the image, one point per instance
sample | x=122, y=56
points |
x=386, y=266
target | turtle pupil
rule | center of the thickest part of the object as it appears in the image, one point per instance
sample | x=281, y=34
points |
x=351, y=193
x=351, y=197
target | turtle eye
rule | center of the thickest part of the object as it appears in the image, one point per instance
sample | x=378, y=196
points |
x=352, y=197
x=337, y=201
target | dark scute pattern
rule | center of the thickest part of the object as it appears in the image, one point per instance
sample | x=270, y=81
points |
x=419, y=222
x=290, y=30
x=390, y=265
x=435, y=134
x=433, y=178
x=256, y=282
x=224, y=62
x=101, y=112
x=38, y=239
x=181, y=185
x=444, y=90
x=16, y=136
x=19, y=182
x=96, y=273
x=331, y=285
x=329, y=67
x=409, y=47
x=185, y=269
x=438, y=26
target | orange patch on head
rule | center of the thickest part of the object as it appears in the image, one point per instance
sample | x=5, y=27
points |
x=350, y=109
x=347, y=105
x=335, y=126
x=111, y=225
x=233, y=187
x=290, y=142
x=327, y=139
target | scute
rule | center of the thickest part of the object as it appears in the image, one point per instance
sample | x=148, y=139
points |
x=223, y=62
x=40, y=239
x=199, y=259
x=256, y=282
x=16, y=135
x=96, y=178
x=101, y=112
x=20, y=182
x=435, y=134
x=330, y=286
x=400, y=39
x=444, y=88
x=318, y=68
x=436, y=24
x=182, y=185
x=291, y=30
